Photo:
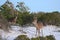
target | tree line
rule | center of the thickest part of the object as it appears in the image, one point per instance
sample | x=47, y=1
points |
x=8, y=11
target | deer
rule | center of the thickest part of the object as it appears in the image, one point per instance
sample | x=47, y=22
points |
x=4, y=25
x=13, y=19
x=38, y=25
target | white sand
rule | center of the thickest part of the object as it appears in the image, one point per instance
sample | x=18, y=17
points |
x=30, y=32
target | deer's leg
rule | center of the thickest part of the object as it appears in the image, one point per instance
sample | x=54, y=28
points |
x=42, y=32
x=38, y=32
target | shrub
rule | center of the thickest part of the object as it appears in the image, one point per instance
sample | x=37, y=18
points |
x=51, y=37
x=38, y=38
x=22, y=37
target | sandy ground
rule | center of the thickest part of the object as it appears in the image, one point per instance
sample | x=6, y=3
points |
x=29, y=31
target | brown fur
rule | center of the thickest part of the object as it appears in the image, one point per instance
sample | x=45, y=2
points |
x=38, y=25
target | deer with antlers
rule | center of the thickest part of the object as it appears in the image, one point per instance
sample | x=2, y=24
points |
x=38, y=25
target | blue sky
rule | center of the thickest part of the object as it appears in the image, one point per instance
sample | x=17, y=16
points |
x=38, y=5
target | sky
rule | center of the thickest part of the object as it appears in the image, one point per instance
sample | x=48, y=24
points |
x=38, y=5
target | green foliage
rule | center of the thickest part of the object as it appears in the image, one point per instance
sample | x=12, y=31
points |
x=22, y=7
x=38, y=38
x=51, y=18
x=35, y=38
x=6, y=11
x=25, y=17
x=51, y=37
x=22, y=37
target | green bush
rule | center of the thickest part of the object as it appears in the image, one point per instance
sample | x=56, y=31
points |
x=35, y=38
x=22, y=37
x=38, y=38
x=51, y=37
